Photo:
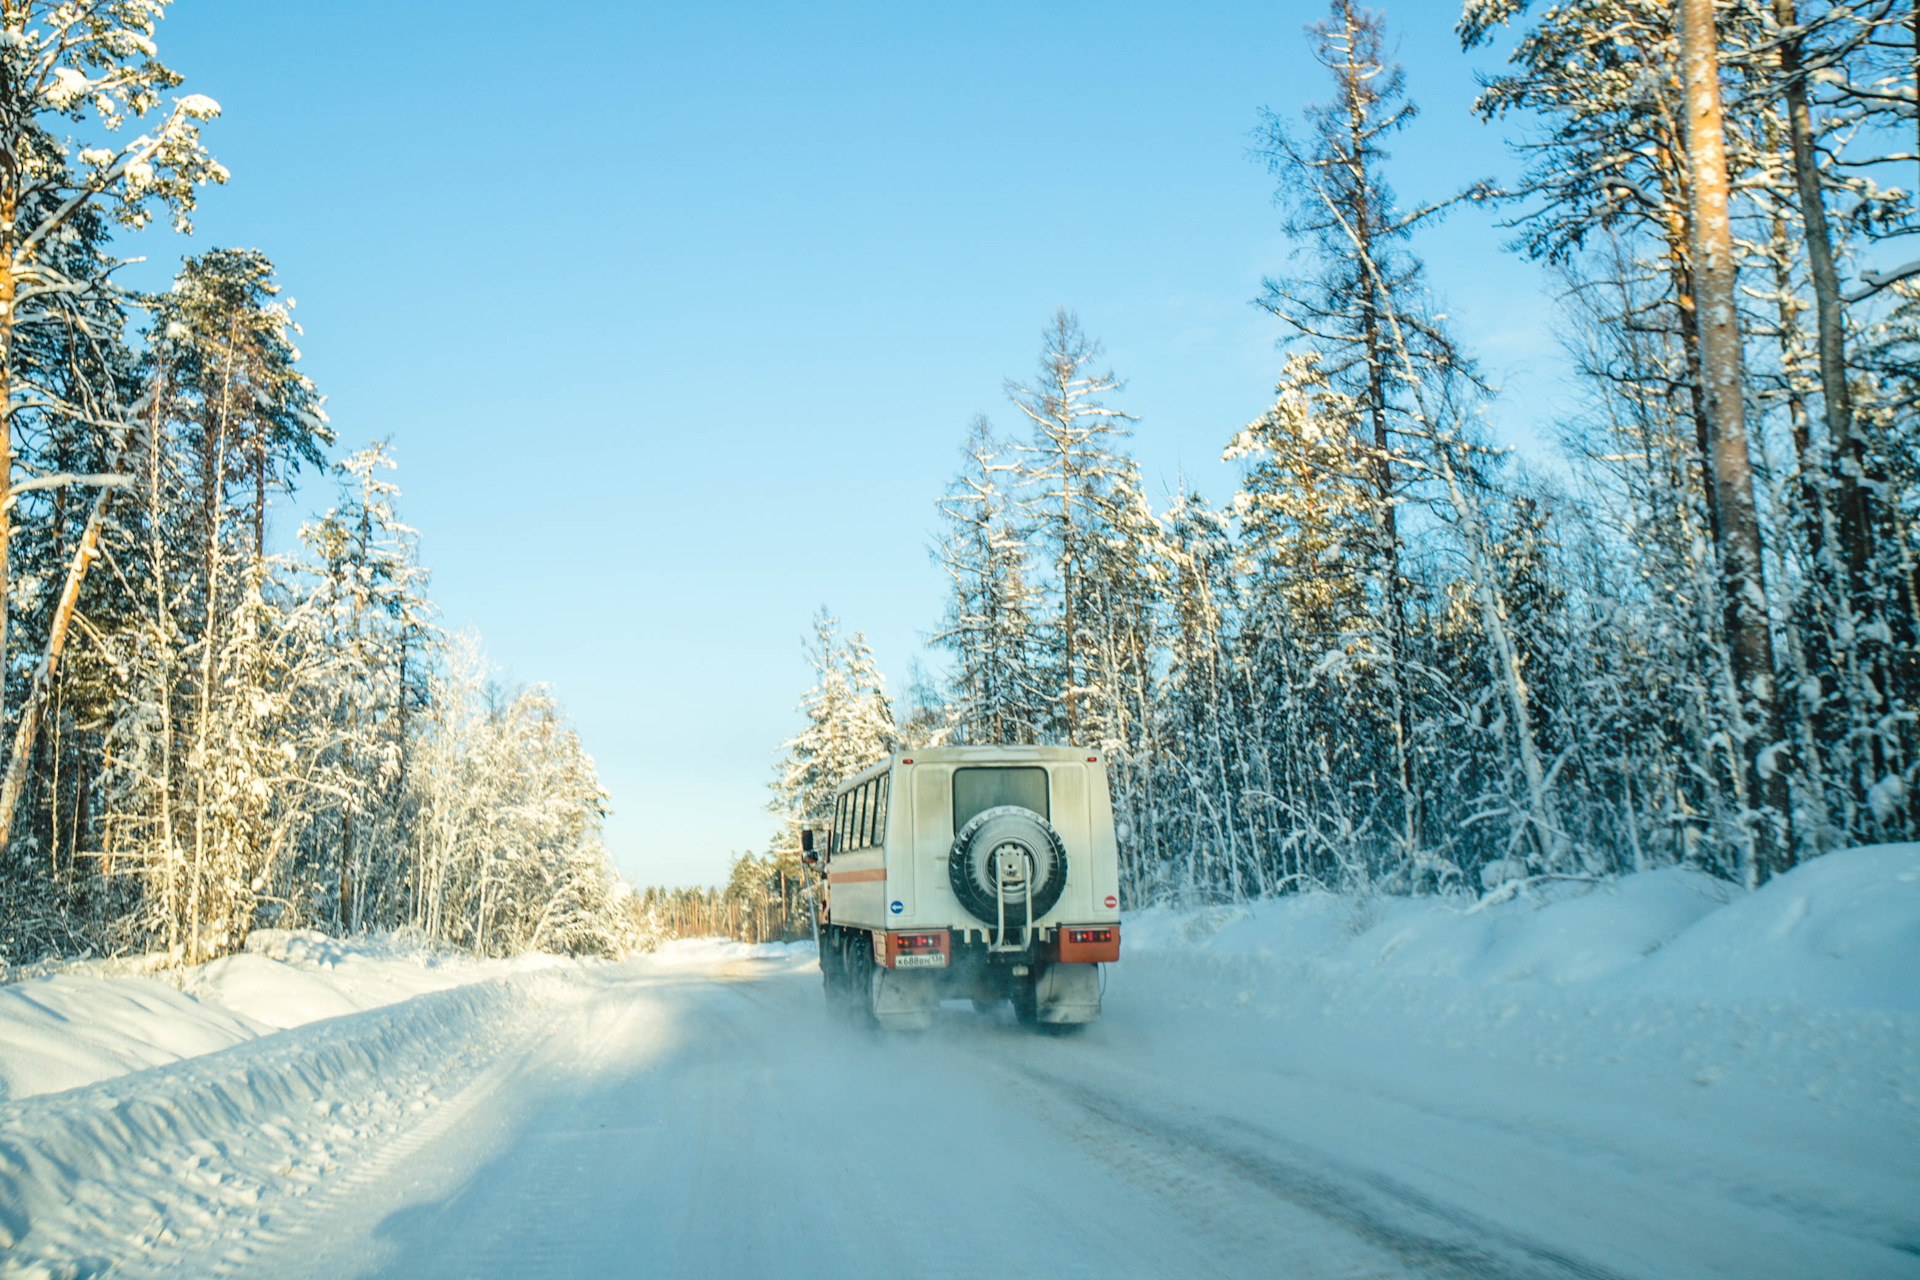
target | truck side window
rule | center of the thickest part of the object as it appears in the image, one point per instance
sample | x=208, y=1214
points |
x=880, y=810
x=859, y=798
x=978, y=789
x=839, y=840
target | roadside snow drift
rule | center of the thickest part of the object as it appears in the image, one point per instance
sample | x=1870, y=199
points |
x=165, y=1110
x=93, y=1020
x=72, y=1029
x=126, y=1164
x=1838, y=932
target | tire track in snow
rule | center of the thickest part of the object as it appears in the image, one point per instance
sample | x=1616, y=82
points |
x=736, y=1128
x=1427, y=1234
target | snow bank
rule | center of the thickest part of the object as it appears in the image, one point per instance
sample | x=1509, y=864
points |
x=1665, y=981
x=288, y=978
x=198, y=1145
x=94, y=1021
x=1840, y=931
x=65, y=1030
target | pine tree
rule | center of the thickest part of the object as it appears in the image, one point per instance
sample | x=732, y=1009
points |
x=77, y=62
x=1071, y=469
x=1342, y=210
x=998, y=691
x=849, y=725
x=377, y=616
x=1307, y=524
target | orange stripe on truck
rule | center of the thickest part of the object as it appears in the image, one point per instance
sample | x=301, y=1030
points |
x=857, y=877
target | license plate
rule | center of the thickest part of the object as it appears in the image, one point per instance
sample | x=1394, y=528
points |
x=932, y=961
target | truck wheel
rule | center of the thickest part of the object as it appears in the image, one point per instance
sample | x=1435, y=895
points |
x=860, y=975
x=1026, y=1002
x=833, y=972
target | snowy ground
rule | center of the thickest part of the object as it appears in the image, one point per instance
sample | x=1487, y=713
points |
x=1655, y=1079
x=89, y=1021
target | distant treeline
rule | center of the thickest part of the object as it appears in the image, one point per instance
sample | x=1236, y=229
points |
x=764, y=901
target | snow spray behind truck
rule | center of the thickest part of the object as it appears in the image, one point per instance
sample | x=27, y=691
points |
x=985, y=873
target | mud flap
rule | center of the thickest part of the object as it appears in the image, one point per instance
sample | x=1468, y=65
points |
x=1068, y=993
x=904, y=1001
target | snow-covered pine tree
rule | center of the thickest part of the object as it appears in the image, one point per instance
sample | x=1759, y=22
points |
x=997, y=690
x=849, y=725
x=1122, y=623
x=1208, y=793
x=211, y=668
x=1341, y=210
x=1080, y=494
x=1307, y=520
x=372, y=592
x=87, y=63
x=72, y=75
x=1071, y=468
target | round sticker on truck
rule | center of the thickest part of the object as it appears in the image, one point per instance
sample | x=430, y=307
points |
x=1112, y=901
x=896, y=907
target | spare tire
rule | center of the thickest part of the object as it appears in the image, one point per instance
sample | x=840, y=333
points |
x=1024, y=845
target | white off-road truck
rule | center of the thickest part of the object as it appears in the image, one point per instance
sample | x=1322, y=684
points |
x=983, y=873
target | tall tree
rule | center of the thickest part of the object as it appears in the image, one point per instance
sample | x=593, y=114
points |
x=1073, y=463
x=1748, y=624
x=86, y=63
x=1341, y=211
x=849, y=725
x=998, y=692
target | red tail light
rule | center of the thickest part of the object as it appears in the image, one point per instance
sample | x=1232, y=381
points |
x=918, y=950
x=1089, y=944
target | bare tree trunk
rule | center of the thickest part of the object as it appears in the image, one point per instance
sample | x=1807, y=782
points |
x=9, y=294
x=164, y=682
x=1067, y=545
x=1849, y=451
x=1749, y=633
x=214, y=458
x=29, y=728
x=1352, y=77
x=259, y=493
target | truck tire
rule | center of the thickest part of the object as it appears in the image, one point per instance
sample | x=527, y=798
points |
x=859, y=978
x=833, y=971
x=1026, y=1002
x=1008, y=831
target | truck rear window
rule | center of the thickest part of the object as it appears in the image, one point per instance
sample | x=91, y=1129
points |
x=983, y=788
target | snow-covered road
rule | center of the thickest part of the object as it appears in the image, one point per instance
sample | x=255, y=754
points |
x=702, y=1116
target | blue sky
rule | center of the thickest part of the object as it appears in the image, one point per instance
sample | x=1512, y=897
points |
x=676, y=314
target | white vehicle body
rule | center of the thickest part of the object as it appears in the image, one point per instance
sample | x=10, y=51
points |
x=904, y=925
